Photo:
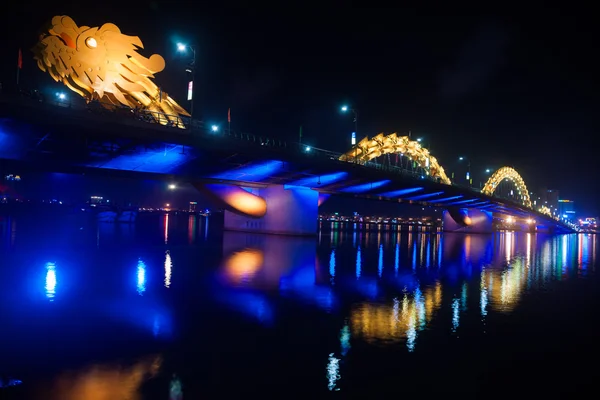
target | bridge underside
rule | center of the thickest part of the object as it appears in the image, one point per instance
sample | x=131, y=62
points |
x=290, y=182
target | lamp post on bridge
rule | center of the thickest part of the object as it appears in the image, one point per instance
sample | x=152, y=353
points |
x=354, y=112
x=421, y=141
x=182, y=48
x=488, y=171
x=468, y=174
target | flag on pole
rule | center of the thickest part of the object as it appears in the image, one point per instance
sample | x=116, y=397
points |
x=229, y=115
x=20, y=60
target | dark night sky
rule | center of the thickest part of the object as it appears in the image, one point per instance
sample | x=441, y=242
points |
x=518, y=91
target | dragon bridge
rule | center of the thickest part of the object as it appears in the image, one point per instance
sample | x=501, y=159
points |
x=101, y=63
x=368, y=149
x=512, y=175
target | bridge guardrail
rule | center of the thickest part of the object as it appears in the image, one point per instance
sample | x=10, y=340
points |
x=187, y=125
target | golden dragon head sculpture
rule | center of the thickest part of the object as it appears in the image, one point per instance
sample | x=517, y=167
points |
x=102, y=63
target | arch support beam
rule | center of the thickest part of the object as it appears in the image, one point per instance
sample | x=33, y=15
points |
x=277, y=209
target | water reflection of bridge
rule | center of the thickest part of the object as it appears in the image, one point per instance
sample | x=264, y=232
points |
x=408, y=281
x=401, y=320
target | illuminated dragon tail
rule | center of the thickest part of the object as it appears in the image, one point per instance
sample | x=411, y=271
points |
x=163, y=109
x=167, y=111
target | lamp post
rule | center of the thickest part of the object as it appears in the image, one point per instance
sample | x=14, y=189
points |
x=488, y=171
x=421, y=141
x=354, y=112
x=468, y=175
x=182, y=48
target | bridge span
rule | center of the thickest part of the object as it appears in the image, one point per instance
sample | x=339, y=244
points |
x=265, y=185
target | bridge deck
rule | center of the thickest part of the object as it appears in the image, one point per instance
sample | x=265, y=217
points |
x=82, y=140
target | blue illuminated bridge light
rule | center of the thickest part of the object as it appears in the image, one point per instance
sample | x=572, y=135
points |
x=401, y=192
x=365, y=187
x=254, y=172
x=320, y=180
x=463, y=201
x=447, y=199
x=425, y=196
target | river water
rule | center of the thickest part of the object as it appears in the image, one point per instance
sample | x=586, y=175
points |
x=172, y=307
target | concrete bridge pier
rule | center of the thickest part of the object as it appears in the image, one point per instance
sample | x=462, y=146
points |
x=275, y=209
x=467, y=221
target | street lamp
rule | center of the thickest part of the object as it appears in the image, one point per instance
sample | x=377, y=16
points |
x=182, y=48
x=172, y=186
x=214, y=128
x=354, y=112
x=420, y=140
x=425, y=144
x=468, y=175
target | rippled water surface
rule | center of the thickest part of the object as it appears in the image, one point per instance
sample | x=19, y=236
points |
x=171, y=307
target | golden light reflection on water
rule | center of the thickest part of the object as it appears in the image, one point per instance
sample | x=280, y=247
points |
x=243, y=265
x=397, y=321
x=105, y=382
x=505, y=287
x=511, y=266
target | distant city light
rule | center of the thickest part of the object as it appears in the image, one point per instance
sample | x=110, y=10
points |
x=172, y=186
x=419, y=140
x=61, y=96
x=344, y=108
x=168, y=205
x=181, y=47
x=214, y=128
x=307, y=149
x=488, y=170
x=12, y=177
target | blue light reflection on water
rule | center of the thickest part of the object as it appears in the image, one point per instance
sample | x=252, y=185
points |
x=50, y=280
x=332, y=266
x=141, y=277
x=396, y=301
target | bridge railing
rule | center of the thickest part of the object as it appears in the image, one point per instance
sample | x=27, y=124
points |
x=183, y=125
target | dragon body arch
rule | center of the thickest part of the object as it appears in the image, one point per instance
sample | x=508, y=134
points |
x=512, y=175
x=368, y=149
